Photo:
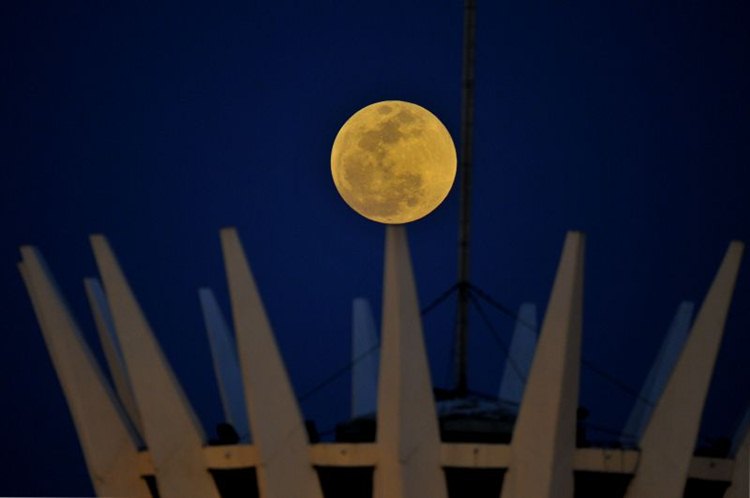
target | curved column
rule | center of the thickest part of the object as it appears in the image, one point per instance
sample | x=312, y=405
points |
x=108, y=339
x=520, y=355
x=276, y=423
x=226, y=365
x=408, y=437
x=658, y=375
x=544, y=436
x=669, y=438
x=108, y=443
x=172, y=432
x=364, y=359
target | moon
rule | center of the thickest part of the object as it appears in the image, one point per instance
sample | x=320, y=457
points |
x=393, y=162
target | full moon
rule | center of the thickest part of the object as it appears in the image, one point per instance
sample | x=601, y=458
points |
x=393, y=162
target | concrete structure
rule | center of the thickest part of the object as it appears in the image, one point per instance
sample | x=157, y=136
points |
x=520, y=355
x=544, y=437
x=407, y=459
x=658, y=375
x=105, y=326
x=172, y=432
x=669, y=439
x=107, y=439
x=365, y=354
x=408, y=439
x=226, y=364
x=276, y=423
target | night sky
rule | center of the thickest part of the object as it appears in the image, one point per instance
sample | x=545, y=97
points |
x=157, y=125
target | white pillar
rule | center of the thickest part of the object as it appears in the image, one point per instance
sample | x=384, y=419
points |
x=108, y=339
x=226, y=365
x=658, y=375
x=408, y=438
x=279, y=434
x=172, y=432
x=364, y=359
x=669, y=439
x=544, y=436
x=520, y=355
x=108, y=443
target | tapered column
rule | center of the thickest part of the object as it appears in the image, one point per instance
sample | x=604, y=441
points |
x=171, y=430
x=278, y=430
x=408, y=437
x=544, y=436
x=520, y=355
x=364, y=359
x=108, y=339
x=669, y=439
x=658, y=375
x=108, y=443
x=226, y=364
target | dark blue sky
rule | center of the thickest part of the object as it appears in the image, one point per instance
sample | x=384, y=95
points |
x=159, y=124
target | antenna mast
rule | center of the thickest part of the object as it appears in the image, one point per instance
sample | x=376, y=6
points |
x=467, y=127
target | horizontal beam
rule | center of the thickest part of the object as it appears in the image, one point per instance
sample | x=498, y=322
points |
x=461, y=455
x=711, y=469
x=608, y=460
x=478, y=456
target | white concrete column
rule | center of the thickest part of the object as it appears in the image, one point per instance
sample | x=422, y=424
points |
x=226, y=364
x=520, y=355
x=172, y=432
x=365, y=356
x=668, y=442
x=108, y=443
x=279, y=434
x=658, y=375
x=544, y=436
x=108, y=339
x=408, y=438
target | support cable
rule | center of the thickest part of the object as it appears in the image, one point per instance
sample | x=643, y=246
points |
x=584, y=362
x=495, y=335
x=354, y=361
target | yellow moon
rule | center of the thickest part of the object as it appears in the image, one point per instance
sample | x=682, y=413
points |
x=393, y=162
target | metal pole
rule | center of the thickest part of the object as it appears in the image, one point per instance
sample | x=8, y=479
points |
x=467, y=126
